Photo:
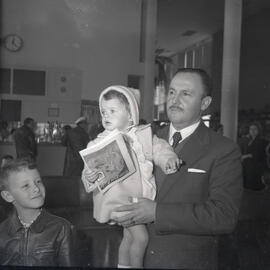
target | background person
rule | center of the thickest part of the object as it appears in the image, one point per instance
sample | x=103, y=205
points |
x=25, y=140
x=5, y=160
x=65, y=130
x=95, y=130
x=199, y=202
x=253, y=157
x=4, y=132
x=76, y=139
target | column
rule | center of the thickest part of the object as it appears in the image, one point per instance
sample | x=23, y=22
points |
x=230, y=68
x=150, y=26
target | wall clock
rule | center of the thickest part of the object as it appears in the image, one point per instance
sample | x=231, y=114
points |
x=13, y=42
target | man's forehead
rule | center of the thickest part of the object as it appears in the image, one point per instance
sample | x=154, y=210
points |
x=186, y=76
x=186, y=79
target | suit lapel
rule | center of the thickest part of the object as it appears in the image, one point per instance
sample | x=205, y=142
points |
x=190, y=150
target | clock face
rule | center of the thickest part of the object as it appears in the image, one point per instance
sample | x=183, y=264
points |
x=13, y=43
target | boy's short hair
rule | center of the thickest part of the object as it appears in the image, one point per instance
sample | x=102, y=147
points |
x=16, y=165
x=117, y=95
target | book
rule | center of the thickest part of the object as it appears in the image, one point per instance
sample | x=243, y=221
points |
x=111, y=158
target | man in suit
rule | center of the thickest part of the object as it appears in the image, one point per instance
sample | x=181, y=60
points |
x=75, y=140
x=199, y=202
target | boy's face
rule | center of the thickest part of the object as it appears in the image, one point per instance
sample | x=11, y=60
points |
x=114, y=114
x=25, y=189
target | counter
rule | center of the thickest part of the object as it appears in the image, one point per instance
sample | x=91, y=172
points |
x=50, y=160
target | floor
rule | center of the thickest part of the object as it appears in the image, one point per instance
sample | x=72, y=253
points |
x=248, y=248
x=99, y=247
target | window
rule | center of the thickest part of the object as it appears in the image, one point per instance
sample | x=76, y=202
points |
x=29, y=82
x=5, y=80
x=10, y=110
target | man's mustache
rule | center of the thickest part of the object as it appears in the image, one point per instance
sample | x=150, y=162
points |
x=176, y=107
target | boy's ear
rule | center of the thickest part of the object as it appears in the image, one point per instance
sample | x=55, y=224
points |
x=7, y=196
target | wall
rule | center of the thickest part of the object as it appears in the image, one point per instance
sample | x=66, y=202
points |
x=62, y=93
x=254, y=83
x=97, y=40
x=255, y=62
x=200, y=55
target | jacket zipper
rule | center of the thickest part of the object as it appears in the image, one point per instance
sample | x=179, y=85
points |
x=25, y=246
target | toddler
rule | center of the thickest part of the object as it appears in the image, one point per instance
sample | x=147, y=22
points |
x=119, y=107
x=31, y=236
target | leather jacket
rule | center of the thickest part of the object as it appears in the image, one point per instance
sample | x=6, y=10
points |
x=48, y=241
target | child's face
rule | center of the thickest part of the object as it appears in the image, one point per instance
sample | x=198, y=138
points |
x=114, y=114
x=26, y=190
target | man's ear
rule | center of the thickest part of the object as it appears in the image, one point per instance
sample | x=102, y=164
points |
x=206, y=101
x=7, y=196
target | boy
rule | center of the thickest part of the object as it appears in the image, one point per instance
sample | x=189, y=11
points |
x=119, y=107
x=31, y=236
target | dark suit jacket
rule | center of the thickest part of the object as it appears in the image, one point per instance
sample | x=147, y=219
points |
x=193, y=208
x=76, y=140
x=25, y=142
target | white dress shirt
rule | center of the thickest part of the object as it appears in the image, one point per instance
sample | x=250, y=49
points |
x=185, y=132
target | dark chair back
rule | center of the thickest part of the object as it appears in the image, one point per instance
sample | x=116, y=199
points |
x=64, y=191
x=61, y=191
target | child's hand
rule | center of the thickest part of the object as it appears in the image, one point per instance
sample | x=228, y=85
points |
x=173, y=164
x=91, y=176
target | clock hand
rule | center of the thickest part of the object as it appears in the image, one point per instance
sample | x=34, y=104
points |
x=13, y=42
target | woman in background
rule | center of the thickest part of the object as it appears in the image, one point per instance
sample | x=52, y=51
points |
x=253, y=158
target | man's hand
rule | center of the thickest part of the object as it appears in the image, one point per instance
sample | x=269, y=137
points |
x=141, y=212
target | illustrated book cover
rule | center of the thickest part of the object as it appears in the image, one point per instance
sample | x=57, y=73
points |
x=111, y=158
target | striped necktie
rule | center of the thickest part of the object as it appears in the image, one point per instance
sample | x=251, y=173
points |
x=176, y=138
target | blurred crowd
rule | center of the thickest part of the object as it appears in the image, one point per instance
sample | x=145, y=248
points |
x=253, y=140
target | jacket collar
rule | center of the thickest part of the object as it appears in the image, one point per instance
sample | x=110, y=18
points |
x=185, y=132
x=38, y=225
x=194, y=144
x=200, y=135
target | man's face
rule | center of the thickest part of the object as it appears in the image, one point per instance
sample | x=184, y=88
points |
x=33, y=125
x=26, y=190
x=185, y=100
x=253, y=131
